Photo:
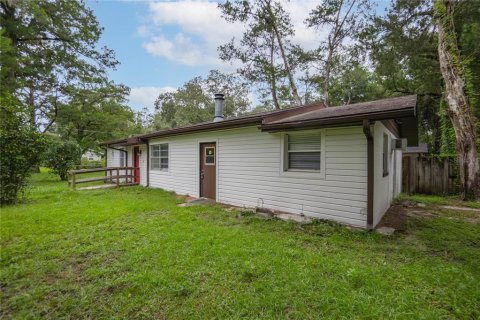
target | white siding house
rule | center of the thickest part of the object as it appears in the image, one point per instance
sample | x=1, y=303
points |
x=319, y=171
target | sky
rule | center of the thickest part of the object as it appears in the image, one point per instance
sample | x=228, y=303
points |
x=162, y=45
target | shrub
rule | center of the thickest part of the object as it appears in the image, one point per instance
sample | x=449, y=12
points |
x=20, y=149
x=62, y=156
x=87, y=164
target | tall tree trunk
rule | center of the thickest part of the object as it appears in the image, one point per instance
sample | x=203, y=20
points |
x=291, y=80
x=459, y=109
x=288, y=70
x=326, y=80
x=273, y=79
x=31, y=105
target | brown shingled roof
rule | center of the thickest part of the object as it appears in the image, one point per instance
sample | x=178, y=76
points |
x=390, y=108
x=248, y=119
x=312, y=115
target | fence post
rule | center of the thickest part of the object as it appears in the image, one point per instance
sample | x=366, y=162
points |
x=118, y=177
x=73, y=181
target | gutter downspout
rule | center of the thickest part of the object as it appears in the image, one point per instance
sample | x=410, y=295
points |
x=147, y=142
x=106, y=161
x=370, y=170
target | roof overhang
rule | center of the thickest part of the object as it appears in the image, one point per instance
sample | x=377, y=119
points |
x=402, y=110
x=125, y=142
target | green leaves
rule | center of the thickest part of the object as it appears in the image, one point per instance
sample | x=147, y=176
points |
x=62, y=156
x=20, y=149
x=193, y=102
x=51, y=69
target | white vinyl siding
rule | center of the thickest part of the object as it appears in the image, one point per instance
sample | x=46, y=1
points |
x=249, y=172
x=114, y=157
x=118, y=158
x=387, y=171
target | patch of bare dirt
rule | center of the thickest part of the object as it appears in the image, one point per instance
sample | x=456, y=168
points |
x=460, y=208
x=395, y=217
x=450, y=213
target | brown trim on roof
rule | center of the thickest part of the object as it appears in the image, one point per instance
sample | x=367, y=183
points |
x=205, y=127
x=241, y=121
x=293, y=112
x=392, y=126
x=301, y=117
x=340, y=119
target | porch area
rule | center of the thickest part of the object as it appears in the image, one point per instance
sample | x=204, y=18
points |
x=112, y=177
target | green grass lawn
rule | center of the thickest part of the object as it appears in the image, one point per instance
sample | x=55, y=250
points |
x=132, y=253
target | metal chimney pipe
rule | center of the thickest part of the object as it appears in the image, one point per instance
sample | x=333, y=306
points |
x=219, y=98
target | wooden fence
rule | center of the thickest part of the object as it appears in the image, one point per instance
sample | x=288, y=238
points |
x=429, y=175
x=114, y=176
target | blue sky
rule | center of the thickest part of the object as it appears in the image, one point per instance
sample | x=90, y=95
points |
x=161, y=45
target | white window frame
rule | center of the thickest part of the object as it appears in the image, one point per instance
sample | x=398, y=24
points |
x=300, y=173
x=159, y=144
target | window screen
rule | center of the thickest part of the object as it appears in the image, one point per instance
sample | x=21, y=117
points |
x=159, y=156
x=303, y=151
x=385, y=154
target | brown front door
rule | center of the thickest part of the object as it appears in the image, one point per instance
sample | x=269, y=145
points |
x=208, y=172
x=136, y=165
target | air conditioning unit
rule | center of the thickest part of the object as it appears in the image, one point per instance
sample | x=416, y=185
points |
x=399, y=144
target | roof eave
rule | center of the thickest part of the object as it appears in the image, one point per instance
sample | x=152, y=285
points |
x=204, y=127
x=345, y=119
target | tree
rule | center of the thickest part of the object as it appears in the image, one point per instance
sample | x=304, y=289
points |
x=54, y=46
x=20, y=149
x=456, y=78
x=193, y=102
x=342, y=19
x=48, y=47
x=93, y=116
x=264, y=43
x=62, y=156
x=403, y=50
x=354, y=83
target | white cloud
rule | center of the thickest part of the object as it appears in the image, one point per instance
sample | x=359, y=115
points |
x=200, y=30
x=142, y=97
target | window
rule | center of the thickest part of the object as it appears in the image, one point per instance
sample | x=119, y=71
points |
x=159, y=156
x=385, y=154
x=303, y=151
x=210, y=156
x=122, y=158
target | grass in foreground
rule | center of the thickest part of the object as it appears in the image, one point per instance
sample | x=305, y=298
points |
x=132, y=253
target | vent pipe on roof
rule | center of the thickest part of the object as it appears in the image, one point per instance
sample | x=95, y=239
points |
x=219, y=98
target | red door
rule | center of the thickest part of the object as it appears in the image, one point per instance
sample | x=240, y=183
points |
x=208, y=179
x=136, y=165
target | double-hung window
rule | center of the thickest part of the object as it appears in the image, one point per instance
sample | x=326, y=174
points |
x=159, y=156
x=303, y=151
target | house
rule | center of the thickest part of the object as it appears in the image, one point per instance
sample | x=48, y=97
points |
x=91, y=155
x=340, y=163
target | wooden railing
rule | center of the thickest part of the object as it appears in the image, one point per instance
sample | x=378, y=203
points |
x=119, y=176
